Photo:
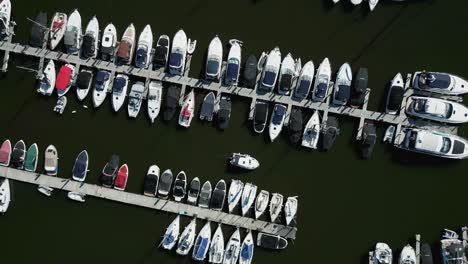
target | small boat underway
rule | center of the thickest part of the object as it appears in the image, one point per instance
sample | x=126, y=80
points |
x=171, y=103
x=290, y=209
x=135, y=99
x=342, y=91
x=244, y=161
x=91, y=39
x=439, y=82
x=322, y=81
x=382, y=254
x=260, y=116
x=47, y=81
x=57, y=29
x=208, y=107
x=205, y=195
x=216, y=252
x=51, y=160
x=161, y=53
x=80, y=168
x=109, y=43
x=73, y=33
x=248, y=197
x=180, y=186
x=277, y=121
x=18, y=155
x=178, y=53
x=271, y=241
x=101, y=87
x=407, y=255
x=186, y=239
x=83, y=84
x=369, y=137
x=188, y=110
x=165, y=183
x=233, y=64
x=151, y=181
x=224, y=112
x=249, y=77
x=30, y=161
x=214, y=60
x=276, y=204
x=437, y=110
x=119, y=91
x=193, y=191
x=171, y=235
x=271, y=70
x=235, y=194
x=64, y=79
x=202, y=243
x=304, y=82
x=154, y=99
x=395, y=95
x=330, y=132
x=286, y=77
x=5, y=195
x=127, y=46
x=145, y=45
x=261, y=203
x=311, y=133
x=231, y=254
x=122, y=178
x=5, y=153
x=218, y=196
x=109, y=171
x=247, y=249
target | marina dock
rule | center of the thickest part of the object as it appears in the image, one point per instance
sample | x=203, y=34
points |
x=149, y=202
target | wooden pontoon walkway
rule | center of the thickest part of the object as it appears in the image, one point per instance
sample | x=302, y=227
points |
x=148, y=202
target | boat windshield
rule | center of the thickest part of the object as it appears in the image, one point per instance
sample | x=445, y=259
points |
x=303, y=88
x=269, y=78
x=212, y=66
x=278, y=117
x=446, y=145
x=175, y=60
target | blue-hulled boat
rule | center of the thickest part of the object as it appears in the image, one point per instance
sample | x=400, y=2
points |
x=202, y=243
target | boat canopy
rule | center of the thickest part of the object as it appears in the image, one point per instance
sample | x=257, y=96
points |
x=261, y=113
x=321, y=91
x=151, y=182
x=280, y=111
x=119, y=84
x=434, y=80
x=247, y=252
x=286, y=82
x=160, y=55
x=88, y=46
x=269, y=78
x=71, y=37
x=232, y=69
x=141, y=55
x=176, y=60
x=303, y=89
x=101, y=78
x=395, y=98
x=124, y=50
x=434, y=108
x=212, y=66
x=83, y=80
x=64, y=77
x=344, y=92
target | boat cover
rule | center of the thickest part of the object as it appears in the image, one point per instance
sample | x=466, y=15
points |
x=247, y=252
x=426, y=254
x=79, y=170
x=218, y=196
x=141, y=55
x=343, y=94
x=286, y=82
x=250, y=72
x=361, y=81
x=165, y=182
x=232, y=71
x=38, y=30
x=112, y=166
x=395, y=98
x=194, y=188
x=175, y=60
x=63, y=77
x=224, y=112
x=122, y=176
x=208, y=105
x=261, y=111
x=119, y=84
x=151, y=182
x=434, y=80
x=269, y=78
x=4, y=154
x=171, y=102
x=83, y=80
x=303, y=89
x=50, y=159
x=278, y=116
x=101, y=78
x=17, y=157
x=70, y=38
x=160, y=55
x=271, y=242
x=201, y=246
x=296, y=121
x=331, y=132
x=88, y=45
x=212, y=67
x=321, y=90
x=124, y=50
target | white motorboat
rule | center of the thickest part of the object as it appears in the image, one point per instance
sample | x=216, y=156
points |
x=47, y=81
x=373, y=4
x=322, y=81
x=261, y=203
x=244, y=161
x=395, y=95
x=248, y=197
x=119, y=91
x=80, y=168
x=356, y=2
x=161, y=53
x=83, y=83
x=214, y=60
x=145, y=45
x=60, y=105
x=234, y=194
x=187, y=238
x=342, y=91
x=382, y=254
x=51, y=160
x=57, y=29
x=439, y=82
x=202, y=243
x=5, y=195
x=154, y=99
x=233, y=246
x=276, y=204
x=165, y=183
x=304, y=82
x=205, y=195
x=437, y=109
x=178, y=53
x=271, y=70
x=193, y=191
x=233, y=64
x=188, y=110
x=77, y=196
x=5, y=16
x=127, y=46
x=180, y=186
x=135, y=99
x=286, y=75
x=73, y=33
x=389, y=134
x=151, y=181
x=311, y=133
x=434, y=143
x=91, y=39
x=407, y=255
x=290, y=209
x=101, y=87
x=171, y=235
x=46, y=190
x=191, y=46
x=109, y=42
x=216, y=253
x=247, y=249
x=277, y=121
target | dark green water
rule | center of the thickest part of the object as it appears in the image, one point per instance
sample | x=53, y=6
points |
x=346, y=204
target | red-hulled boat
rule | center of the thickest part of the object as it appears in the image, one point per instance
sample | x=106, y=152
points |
x=121, y=179
x=5, y=153
x=64, y=79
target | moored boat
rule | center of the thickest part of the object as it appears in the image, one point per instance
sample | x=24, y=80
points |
x=216, y=252
x=395, y=95
x=360, y=83
x=274, y=242
x=373, y=4
x=171, y=235
x=205, y=195
x=249, y=76
x=90, y=45
x=161, y=53
x=276, y=204
x=83, y=84
x=73, y=33
x=436, y=109
x=51, y=160
x=178, y=53
x=165, y=183
x=233, y=64
x=57, y=29
x=311, y=133
x=232, y=250
x=151, y=181
x=304, y=83
x=109, y=42
x=224, y=112
x=234, y=194
x=127, y=46
x=188, y=110
x=330, y=132
x=145, y=45
x=187, y=238
x=39, y=30
x=202, y=243
x=296, y=124
x=46, y=190
x=171, y=102
x=180, y=186
x=214, y=60
x=290, y=209
x=270, y=71
x=109, y=172
x=426, y=254
x=322, y=81
x=5, y=195
x=121, y=178
x=48, y=77
x=60, y=105
x=208, y=107
x=18, y=155
x=244, y=161
x=248, y=197
x=135, y=99
x=389, y=134
x=439, y=82
x=80, y=168
x=452, y=248
x=5, y=153
x=342, y=91
x=260, y=116
x=101, y=87
x=369, y=137
x=154, y=99
x=277, y=121
x=77, y=196
x=261, y=203
x=64, y=79
x=5, y=16
x=286, y=75
x=193, y=191
x=407, y=255
x=218, y=196
x=247, y=249
x=119, y=91
x=30, y=161
x=382, y=254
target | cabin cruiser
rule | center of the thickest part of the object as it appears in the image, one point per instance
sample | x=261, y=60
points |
x=205, y=195
x=144, y=48
x=57, y=29
x=304, y=82
x=171, y=235
x=73, y=33
x=437, y=110
x=135, y=99
x=64, y=79
x=127, y=46
x=261, y=203
x=178, y=54
x=91, y=39
x=5, y=195
x=270, y=71
x=121, y=178
x=395, y=95
x=83, y=84
x=452, y=248
x=286, y=75
x=247, y=249
x=224, y=112
x=5, y=153
x=439, y=82
x=187, y=238
x=161, y=53
x=244, y=161
x=330, y=132
x=119, y=91
x=101, y=86
x=165, y=183
x=188, y=110
x=358, y=93
x=154, y=99
x=218, y=196
x=109, y=172
x=322, y=81
x=5, y=16
x=214, y=60
x=18, y=155
x=276, y=204
x=193, y=191
x=109, y=43
x=274, y=242
x=202, y=243
x=38, y=30
x=171, y=103
x=248, y=197
x=180, y=186
x=311, y=133
x=233, y=63
x=277, y=121
x=295, y=125
x=233, y=246
x=151, y=181
x=30, y=160
x=249, y=77
x=342, y=91
x=47, y=81
x=407, y=255
x=290, y=209
x=434, y=143
x=260, y=116
x=235, y=194
x=216, y=253
x=369, y=137
x=208, y=107
x=382, y=254
x=80, y=168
